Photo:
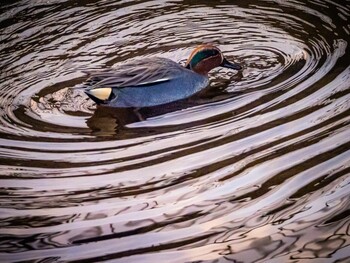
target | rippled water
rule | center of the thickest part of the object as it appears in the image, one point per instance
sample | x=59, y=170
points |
x=254, y=169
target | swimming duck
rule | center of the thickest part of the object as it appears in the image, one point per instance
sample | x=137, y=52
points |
x=155, y=81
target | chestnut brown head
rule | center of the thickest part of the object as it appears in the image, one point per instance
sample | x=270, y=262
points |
x=206, y=57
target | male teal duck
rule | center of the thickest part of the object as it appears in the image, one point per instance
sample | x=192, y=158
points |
x=155, y=81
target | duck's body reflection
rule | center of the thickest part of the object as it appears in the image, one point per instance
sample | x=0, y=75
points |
x=107, y=121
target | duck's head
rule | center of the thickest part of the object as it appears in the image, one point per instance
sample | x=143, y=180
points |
x=206, y=57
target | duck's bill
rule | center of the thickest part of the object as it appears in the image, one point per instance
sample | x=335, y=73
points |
x=228, y=64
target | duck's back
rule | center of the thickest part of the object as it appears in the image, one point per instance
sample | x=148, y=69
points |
x=147, y=83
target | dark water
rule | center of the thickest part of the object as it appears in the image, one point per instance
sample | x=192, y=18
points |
x=254, y=169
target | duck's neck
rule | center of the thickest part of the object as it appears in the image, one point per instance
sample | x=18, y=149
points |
x=202, y=70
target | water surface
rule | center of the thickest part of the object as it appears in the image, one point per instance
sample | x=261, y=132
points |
x=253, y=169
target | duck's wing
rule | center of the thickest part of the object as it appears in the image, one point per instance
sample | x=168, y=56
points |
x=135, y=74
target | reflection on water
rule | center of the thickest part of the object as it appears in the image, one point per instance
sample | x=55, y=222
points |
x=253, y=169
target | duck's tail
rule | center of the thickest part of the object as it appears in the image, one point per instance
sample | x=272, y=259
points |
x=99, y=95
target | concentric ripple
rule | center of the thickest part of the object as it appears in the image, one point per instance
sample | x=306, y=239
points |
x=253, y=169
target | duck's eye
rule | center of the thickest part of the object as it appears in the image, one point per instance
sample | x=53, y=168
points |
x=213, y=52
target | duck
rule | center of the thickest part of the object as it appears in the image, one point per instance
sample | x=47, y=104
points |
x=155, y=81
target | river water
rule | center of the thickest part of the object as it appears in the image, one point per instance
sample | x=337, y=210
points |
x=254, y=169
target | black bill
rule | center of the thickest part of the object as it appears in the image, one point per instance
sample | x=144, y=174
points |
x=228, y=64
